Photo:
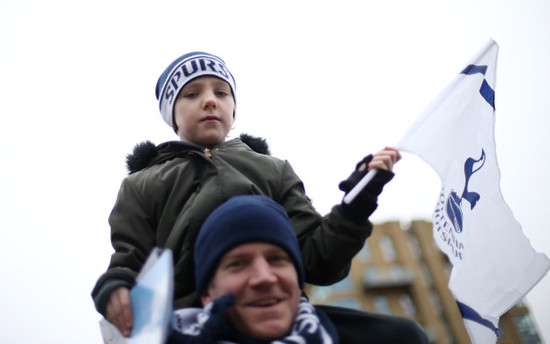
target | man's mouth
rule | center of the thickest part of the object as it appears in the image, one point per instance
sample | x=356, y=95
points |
x=265, y=303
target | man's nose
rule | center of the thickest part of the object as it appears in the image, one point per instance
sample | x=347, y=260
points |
x=262, y=273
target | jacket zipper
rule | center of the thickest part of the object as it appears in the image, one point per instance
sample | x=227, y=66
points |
x=208, y=152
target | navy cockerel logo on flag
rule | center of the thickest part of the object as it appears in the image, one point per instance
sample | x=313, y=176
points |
x=454, y=202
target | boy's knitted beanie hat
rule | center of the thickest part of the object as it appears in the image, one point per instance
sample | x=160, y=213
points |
x=240, y=220
x=184, y=69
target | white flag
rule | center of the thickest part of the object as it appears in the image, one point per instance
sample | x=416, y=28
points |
x=494, y=265
x=151, y=298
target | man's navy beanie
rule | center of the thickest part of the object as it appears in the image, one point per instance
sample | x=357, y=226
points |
x=240, y=220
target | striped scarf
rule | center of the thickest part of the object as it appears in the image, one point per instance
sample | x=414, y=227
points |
x=209, y=325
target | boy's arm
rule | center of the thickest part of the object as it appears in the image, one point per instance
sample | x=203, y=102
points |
x=132, y=238
x=329, y=243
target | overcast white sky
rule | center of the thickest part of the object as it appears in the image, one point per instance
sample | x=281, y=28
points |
x=325, y=82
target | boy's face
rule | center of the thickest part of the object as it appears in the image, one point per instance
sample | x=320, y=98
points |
x=265, y=281
x=203, y=111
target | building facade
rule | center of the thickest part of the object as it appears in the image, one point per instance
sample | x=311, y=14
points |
x=400, y=271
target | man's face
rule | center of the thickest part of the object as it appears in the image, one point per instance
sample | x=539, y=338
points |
x=203, y=111
x=265, y=281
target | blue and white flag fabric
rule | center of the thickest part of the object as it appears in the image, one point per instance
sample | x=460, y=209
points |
x=151, y=298
x=494, y=265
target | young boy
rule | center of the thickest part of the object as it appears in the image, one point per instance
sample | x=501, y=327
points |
x=173, y=187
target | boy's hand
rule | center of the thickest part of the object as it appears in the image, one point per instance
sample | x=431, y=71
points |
x=384, y=159
x=364, y=203
x=119, y=310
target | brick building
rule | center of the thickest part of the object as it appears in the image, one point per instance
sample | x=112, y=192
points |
x=400, y=271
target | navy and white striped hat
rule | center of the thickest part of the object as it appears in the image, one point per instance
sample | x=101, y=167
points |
x=184, y=69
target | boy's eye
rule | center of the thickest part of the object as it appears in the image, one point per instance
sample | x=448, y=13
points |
x=222, y=93
x=190, y=94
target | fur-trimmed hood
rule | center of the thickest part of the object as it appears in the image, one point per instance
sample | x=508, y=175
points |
x=146, y=153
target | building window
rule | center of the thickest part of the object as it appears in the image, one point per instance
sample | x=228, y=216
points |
x=392, y=276
x=435, y=302
x=344, y=285
x=320, y=294
x=501, y=331
x=396, y=272
x=407, y=304
x=521, y=303
x=388, y=250
x=381, y=304
x=426, y=273
x=365, y=254
x=371, y=275
x=415, y=246
x=346, y=302
x=526, y=329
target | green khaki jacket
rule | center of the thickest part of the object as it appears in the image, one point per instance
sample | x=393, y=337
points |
x=165, y=203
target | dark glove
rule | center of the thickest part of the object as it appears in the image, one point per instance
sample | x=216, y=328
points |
x=364, y=204
x=213, y=330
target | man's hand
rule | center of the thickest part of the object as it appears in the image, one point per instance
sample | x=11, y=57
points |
x=119, y=310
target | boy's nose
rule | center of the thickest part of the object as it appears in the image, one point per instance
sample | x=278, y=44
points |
x=209, y=100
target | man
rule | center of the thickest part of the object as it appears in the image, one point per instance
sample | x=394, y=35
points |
x=249, y=274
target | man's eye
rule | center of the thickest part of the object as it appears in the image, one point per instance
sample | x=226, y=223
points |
x=235, y=264
x=278, y=259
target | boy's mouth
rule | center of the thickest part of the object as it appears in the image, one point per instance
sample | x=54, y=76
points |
x=210, y=118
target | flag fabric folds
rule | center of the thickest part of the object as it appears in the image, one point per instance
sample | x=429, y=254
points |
x=494, y=265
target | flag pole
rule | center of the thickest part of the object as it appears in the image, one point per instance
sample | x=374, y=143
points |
x=350, y=196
